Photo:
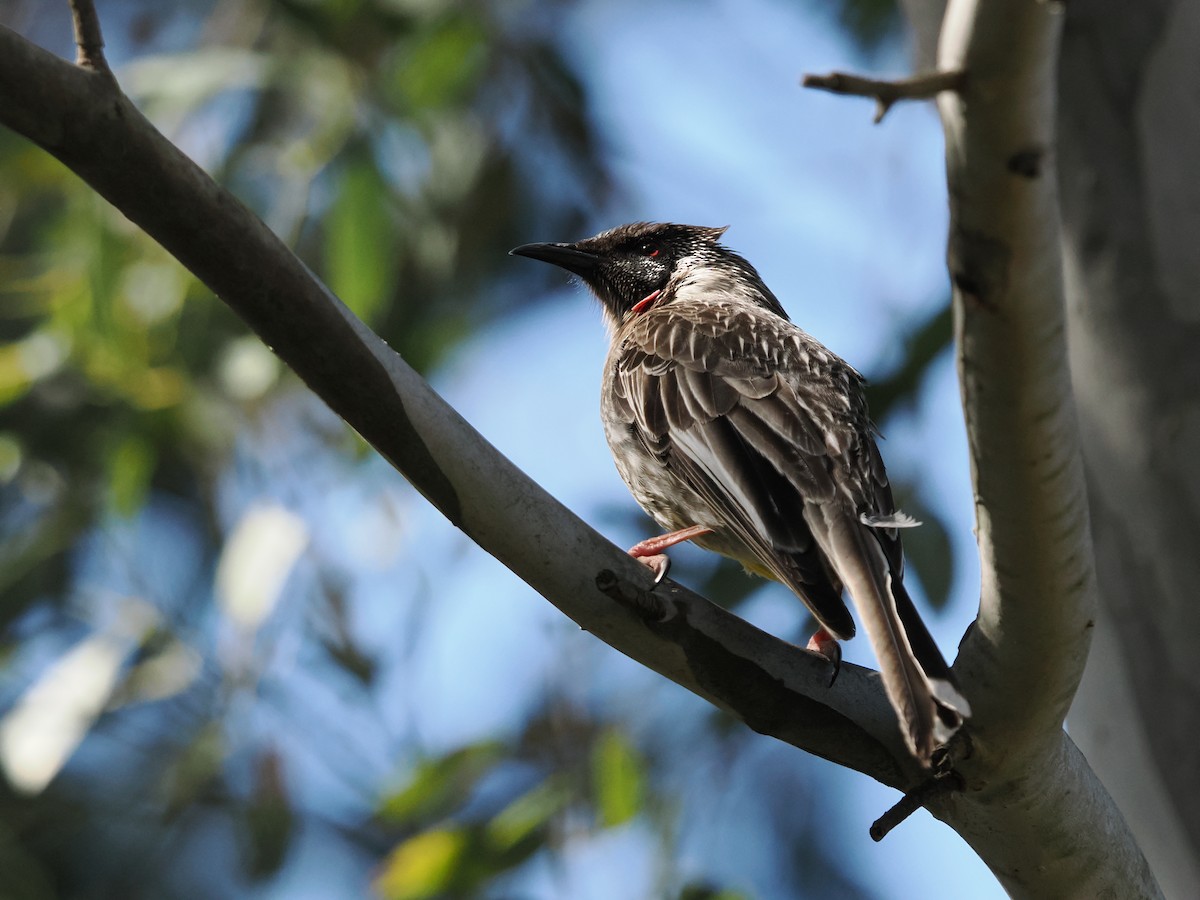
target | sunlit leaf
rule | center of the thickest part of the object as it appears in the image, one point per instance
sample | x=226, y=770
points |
x=618, y=778
x=360, y=243
x=152, y=291
x=167, y=668
x=422, y=866
x=11, y=454
x=183, y=81
x=34, y=357
x=256, y=561
x=247, y=369
x=49, y=721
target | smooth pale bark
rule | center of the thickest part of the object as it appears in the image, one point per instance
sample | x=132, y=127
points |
x=1037, y=603
x=1130, y=141
x=1129, y=136
x=1021, y=662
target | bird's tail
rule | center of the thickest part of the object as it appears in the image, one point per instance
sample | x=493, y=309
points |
x=952, y=708
x=915, y=675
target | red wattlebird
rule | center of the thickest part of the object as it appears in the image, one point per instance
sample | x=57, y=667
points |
x=737, y=430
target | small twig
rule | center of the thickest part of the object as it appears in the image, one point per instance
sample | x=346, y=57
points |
x=89, y=42
x=912, y=801
x=919, y=87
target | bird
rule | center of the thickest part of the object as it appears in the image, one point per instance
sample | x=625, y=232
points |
x=735, y=429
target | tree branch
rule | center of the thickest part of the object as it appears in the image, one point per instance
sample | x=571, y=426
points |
x=887, y=93
x=1021, y=662
x=89, y=42
x=919, y=796
x=1031, y=639
x=774, y=687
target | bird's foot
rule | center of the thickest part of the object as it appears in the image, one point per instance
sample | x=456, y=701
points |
x=650, y=551
x=659, y=564
x=825, y=644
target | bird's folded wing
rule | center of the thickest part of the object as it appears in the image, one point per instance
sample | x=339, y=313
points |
x=741, y=441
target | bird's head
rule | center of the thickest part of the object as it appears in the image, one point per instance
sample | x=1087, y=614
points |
x=634, y=267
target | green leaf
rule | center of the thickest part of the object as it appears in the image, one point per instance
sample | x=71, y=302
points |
x=269, y=822
x=129, y=469
x=522, y=818
x=361, y=240
x=442, y=68
x=423, y=866
x=618, y=779
x=195, y=771
x=702, y=891
x=439, y=785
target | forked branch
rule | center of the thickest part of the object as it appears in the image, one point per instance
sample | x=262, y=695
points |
x=887, y=93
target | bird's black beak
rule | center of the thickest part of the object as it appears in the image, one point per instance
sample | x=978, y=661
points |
x=564, y=256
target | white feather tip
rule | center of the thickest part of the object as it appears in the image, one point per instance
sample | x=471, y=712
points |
x=894, y=520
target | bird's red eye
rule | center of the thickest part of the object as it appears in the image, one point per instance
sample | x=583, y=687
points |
x=649, y=250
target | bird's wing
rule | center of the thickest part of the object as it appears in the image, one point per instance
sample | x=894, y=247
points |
x=770, y=428
x=723, y=420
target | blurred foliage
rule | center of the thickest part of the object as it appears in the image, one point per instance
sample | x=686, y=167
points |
x=870, y=22
x=401, y=147
x=486, y=808
x=920, y=347
x=617, y=778
x=385, y=139
x=928, y=547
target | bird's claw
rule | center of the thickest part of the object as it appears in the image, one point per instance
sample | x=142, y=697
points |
x=659, y=564
x=650, y=551
x=825, y=644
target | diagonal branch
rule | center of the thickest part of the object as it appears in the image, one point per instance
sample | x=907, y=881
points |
x=772, y=686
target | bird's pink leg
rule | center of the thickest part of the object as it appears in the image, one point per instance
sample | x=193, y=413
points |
x=826, y=645
x=650, y=551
